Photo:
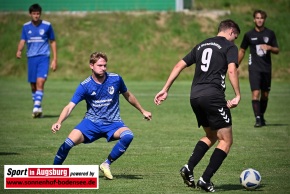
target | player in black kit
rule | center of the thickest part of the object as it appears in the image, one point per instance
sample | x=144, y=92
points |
x=262, y=42
x=214, y=57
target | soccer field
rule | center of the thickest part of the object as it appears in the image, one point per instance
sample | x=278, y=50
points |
x=160, y=147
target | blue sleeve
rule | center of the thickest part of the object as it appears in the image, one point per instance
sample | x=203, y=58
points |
x=123, y=87
x=23, y=35
x=79, y=94
x=51, y=35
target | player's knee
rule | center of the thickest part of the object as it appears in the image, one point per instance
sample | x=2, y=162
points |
x=68, y=144
x=211, y=139
x=126, y=137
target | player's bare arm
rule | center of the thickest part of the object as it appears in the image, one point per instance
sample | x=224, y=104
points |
x=62, y=117
x=20, y=48
x=134, y=102
x=162, y=95
x=53, y=65
x=234, y=80
x=241, y=55
x=270, y=48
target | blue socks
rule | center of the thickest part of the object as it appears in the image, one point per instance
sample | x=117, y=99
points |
x=121, y=146
x=33, y=96
x=63, y=151
x=37, y=98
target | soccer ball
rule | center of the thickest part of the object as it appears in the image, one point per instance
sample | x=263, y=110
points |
x=250, y=179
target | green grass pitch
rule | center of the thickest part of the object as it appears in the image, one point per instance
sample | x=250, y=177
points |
x=160, y=147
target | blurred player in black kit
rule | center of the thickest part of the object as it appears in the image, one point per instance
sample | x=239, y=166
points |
x=262, y=42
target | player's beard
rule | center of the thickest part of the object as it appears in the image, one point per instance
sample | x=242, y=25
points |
x=98, y=75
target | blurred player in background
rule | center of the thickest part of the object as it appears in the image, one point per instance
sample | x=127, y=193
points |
x=262, y=42
x=214, y=57
x=37, y=34
x=101, y=92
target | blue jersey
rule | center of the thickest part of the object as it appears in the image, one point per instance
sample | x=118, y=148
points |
x=102, y=99
x=37, y=38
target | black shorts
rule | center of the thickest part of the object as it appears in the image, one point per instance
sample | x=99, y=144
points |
x=260, y=80
x=211, y=111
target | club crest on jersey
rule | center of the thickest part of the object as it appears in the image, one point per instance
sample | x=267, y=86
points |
x=111, y=90
x=266, y=39
x=41, y=31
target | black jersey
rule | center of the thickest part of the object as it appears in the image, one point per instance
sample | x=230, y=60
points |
x=259, y=60
x=211, y=57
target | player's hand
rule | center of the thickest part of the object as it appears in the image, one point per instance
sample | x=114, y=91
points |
x=147, y=115
x=234, y=102
x=18, y=54
x=265, y=47
x=53, y=65
x=55, y=127
x=160, y=96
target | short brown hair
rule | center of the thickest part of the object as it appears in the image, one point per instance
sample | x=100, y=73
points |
x=96, y=56
x=263, y=13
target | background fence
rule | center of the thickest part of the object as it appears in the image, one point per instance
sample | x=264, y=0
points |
x=97, y=5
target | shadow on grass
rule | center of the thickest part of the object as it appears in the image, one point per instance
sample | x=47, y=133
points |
x=232, y=187
x=277, y=125
x=123, y=176
x=49, y=116
x=8, y=153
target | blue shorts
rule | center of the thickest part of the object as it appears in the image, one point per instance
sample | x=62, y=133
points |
x=38, y=67
x=93, y=131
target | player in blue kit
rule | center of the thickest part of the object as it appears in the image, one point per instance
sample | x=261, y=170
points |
x=262, y=42
x=101, y=92
x=38, y=35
